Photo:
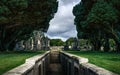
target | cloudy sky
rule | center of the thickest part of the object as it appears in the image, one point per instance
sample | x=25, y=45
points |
x=62, y=25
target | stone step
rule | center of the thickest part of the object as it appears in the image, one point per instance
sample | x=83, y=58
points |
x=54, y=57
x=55, y=69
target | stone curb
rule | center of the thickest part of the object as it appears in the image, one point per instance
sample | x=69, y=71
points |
x=97, y=70
x=80, y=59
x=27, y=66
x=87, y=68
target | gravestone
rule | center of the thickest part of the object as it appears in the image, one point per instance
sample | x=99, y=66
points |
x=19, y=45
x=45, y=43
x=29, y=44
x=40, y=41
x=37, y=40
x=75, y=44
x=66, y=47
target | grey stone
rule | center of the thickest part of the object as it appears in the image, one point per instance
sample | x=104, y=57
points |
x=31, y=66
x=82, y=65
x=20, y=70
x=98, y=70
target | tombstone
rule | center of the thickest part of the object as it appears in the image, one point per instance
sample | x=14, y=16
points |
x=69, y=45
x=29, y=44
x=40, y=41
x=19, y=45
x=79, y=44
x=45, y=43
x=37, y=40
x=75, y=44
x=66, y=47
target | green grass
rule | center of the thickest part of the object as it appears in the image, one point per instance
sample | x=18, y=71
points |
x=9, y=60
x=107, y=60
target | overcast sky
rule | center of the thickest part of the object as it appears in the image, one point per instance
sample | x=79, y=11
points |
x=62, y=25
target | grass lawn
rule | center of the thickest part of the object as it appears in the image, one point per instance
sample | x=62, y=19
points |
x=107, y=60
x=9, y=60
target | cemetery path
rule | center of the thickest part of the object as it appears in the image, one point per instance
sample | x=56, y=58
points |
x=55, y=67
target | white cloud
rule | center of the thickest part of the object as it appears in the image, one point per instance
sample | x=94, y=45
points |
x=65, y=2
x=62, y=25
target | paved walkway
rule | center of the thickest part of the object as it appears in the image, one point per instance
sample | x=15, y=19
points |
x=54, y=66
x=55, y=69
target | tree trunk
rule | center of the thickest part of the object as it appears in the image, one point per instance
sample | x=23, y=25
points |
x=117, y=46
x=7, y=40
x=1, y=46
x=106, y=45
x=96, y=45
x=2, y=29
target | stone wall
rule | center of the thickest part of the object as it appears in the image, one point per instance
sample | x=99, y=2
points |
x=75, y=65
x=36, y=65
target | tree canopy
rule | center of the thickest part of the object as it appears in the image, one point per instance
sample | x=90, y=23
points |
x=56, y=42
x=98, y=21
x=19, y=18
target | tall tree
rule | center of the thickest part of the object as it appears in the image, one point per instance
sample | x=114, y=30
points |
x=19, y=18
x=96, y=20
x=102, y=18
x=56, y=42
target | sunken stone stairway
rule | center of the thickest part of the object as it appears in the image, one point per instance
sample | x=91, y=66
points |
x=58, y=63
x=63, y=63
x=54, y=67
